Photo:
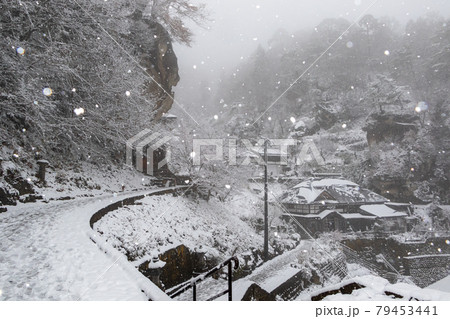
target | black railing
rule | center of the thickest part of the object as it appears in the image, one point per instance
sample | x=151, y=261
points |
x=192, y=283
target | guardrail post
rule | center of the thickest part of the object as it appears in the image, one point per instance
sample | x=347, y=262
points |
x=230, y=281
x=194, y=292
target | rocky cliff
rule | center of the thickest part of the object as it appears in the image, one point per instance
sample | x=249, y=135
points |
x=158, y=58
x=161, y=63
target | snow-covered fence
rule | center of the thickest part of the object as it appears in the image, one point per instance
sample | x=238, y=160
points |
x=128, y=201
x=152, y=291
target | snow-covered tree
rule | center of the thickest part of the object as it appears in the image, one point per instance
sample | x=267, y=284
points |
x=384, y=91
x=173, y=15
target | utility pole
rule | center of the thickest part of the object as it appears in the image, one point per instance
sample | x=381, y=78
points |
x=266, y=205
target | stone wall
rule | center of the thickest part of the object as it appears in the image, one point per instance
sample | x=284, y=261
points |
x=181, y=265
x=425, y=270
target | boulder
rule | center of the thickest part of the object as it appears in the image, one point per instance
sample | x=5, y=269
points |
x=8, y=195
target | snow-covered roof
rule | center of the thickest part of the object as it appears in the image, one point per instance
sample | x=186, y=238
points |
x=270, y=151
x=327, y=212
x=338, y=191
x=398, y=204
x=356, y=216
x=321, y=215
x=302, y=195
x=381, y=210
x=326, y=182
x=426, y=256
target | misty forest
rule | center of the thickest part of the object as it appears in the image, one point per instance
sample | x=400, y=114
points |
x=310, y=167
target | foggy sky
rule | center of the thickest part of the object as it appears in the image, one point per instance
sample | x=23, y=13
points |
x=237, y=27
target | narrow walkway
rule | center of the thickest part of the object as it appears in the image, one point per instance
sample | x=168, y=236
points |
x=47, y=253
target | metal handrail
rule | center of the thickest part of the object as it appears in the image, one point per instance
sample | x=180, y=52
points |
x=192, y=283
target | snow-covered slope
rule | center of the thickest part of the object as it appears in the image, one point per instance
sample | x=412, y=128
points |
x=164, y=222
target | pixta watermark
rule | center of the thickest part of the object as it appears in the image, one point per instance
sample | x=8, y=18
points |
x=149, y=152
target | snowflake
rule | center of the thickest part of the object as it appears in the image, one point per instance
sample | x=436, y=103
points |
x=20, y=51
x=78, y=111
x=47, y=91
x=421, y=106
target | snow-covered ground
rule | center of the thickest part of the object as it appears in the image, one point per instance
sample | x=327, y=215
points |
x=442, y=285
x=87, y=180
x=375, y=289
x=159, y=223
x=47, y=252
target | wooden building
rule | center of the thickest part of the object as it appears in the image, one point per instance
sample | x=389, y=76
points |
x=330, y=204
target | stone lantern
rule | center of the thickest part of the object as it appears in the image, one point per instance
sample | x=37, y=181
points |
x=200, y=265
x=155, y=269
x=41, y=172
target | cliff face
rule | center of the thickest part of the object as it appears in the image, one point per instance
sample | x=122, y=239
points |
x=156, y=56
x=161, y=63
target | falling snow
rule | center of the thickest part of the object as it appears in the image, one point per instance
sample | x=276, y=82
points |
x=79, y=111
x=47, y=91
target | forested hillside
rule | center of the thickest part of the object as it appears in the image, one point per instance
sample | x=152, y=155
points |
x=80, y=77
x=374, y=96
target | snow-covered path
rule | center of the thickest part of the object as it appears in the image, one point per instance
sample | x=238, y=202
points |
x=46, y=253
